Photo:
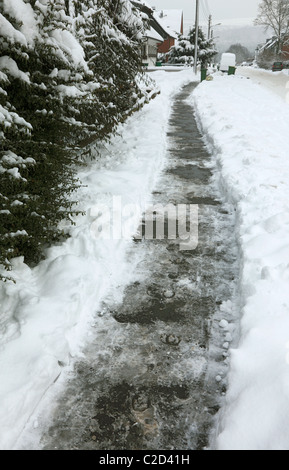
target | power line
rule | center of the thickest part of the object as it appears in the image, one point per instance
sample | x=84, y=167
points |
x=207, y=7
x=204, y=11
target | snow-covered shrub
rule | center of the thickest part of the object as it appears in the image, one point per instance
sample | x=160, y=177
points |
x=69, y=73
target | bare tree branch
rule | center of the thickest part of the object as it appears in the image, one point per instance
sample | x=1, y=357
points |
x=274, y=14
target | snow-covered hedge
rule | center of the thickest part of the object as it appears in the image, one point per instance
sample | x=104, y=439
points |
x=69, y=73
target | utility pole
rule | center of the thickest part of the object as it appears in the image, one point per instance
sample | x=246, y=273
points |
x=209, y=27
x=196, y=36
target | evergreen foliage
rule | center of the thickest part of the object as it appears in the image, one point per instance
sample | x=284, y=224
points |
x=69, y=73
x=183, y=52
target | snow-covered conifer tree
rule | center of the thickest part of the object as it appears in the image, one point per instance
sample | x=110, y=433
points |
x=183, y=52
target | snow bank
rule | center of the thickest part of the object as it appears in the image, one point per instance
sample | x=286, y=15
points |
x=46, y=316
x=247, y=131
x=274, y=81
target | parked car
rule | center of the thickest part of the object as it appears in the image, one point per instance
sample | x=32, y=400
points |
x=277, y=66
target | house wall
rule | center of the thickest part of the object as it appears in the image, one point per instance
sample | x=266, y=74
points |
x=165, y=46
x=285, y=52
x=149, y=52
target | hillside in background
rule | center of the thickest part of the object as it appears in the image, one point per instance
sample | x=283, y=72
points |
x=236, y=31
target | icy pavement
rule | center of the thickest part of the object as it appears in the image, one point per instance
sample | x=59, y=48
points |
x=154, y=375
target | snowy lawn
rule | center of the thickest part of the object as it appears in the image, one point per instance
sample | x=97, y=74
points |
x=246, y=128
x=45, y=316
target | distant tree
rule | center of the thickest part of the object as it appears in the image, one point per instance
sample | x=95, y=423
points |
x=241, y=52
x=274, y=14
x=183, y=51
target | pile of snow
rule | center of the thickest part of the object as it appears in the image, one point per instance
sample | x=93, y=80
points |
x=275, y=81
x=46, y=315
x=246, y=128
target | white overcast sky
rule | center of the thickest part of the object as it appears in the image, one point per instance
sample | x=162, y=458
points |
x=220, y=9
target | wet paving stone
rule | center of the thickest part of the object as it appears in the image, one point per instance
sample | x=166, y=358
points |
x=191, y=172
x=148, y=376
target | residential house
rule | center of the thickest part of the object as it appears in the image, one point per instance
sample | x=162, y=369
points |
x=271, y=45
x=154, y=35
x=173, y=22
x=150, y=47
x=285, y=49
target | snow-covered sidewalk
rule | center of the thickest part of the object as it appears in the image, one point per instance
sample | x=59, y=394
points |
x=246, y=128
x=45, y=316
x=277, y=82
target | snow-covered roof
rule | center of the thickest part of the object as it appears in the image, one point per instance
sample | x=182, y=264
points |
x=152, y=34
x=155, y=23
x=172, y=19
x=168, y=30
x=143, y=3
x=270, y=43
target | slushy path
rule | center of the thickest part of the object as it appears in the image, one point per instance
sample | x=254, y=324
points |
x=155, y=376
